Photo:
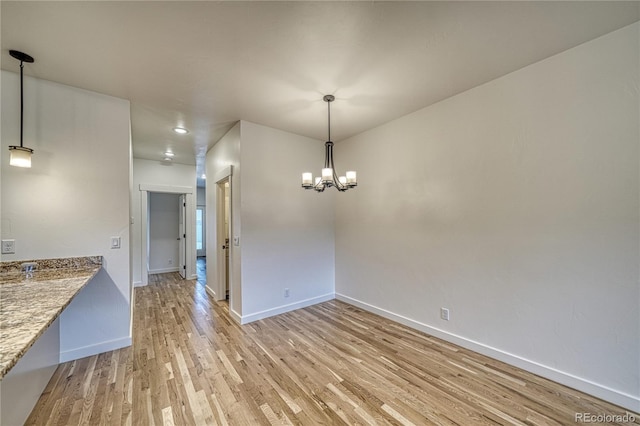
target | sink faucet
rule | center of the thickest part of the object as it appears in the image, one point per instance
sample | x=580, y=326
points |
x=28, y=268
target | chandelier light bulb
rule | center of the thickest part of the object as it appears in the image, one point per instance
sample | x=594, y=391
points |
x=351, y=178
x=327, y=174
x=307, y=179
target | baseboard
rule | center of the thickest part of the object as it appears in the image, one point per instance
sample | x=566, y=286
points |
x=138, y=284
x=91, y=350
x=622, y=399
x=193, y=277
x=163, y=270
x=235, y=316
x=245, y=319
x=210, y=291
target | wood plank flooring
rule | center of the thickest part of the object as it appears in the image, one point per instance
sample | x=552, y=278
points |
x=329, y=364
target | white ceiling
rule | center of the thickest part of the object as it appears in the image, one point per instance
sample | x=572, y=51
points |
x=205, y=65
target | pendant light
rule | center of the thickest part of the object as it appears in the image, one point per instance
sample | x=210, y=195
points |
x=20, y=155
x=329, y=177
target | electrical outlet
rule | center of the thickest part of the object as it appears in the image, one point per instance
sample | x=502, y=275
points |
x=444, y=314
x=8, y=246
x=286, y=292
x=170, y=262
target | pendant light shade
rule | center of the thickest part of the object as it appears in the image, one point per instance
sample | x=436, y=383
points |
x=20, y=155
x=329, y=176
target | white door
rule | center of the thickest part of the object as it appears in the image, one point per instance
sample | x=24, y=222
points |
x=182, y=237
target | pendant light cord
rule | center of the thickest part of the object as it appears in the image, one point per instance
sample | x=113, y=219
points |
x=329, y=119
x=21, y=103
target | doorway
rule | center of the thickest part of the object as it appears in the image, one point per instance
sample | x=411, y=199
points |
x=167, y=233
x=186, y=257
x=224, y=234
x=182, y=235
x=221, y=243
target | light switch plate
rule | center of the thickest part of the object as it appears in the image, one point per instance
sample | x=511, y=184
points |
x=444, y=314
x=236, y=241
x=8, y=246
x=115, y=242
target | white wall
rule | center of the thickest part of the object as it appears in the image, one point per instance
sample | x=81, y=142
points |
x=515, y=205
x=148, y=172
x=164, y=215
x=73, y=200
x=287, y=232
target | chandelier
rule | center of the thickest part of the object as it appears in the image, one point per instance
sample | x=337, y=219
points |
x=329, y=177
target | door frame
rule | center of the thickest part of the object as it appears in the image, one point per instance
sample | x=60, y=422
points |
x=182, y=235
x=216, y=235
x=145, y=190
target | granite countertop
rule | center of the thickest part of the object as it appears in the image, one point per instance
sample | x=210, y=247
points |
x=31, y=303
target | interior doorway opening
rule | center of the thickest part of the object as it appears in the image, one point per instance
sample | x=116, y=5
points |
x=183, y=237
x=221, y=243
x=166, y=236
x=224, y=225
x=201, y=232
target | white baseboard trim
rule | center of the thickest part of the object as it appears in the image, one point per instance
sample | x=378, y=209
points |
x=138, y=284
x=210, y=291
x=98, y=348
x=163, y=270
x=622, y=399
x=193, y=277
x=245, y=319
x=235, y=316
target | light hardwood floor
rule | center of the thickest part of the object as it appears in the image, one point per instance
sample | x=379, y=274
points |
x=331, y=363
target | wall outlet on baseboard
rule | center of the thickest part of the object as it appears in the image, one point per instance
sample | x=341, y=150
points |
x=444, y=314
x=286, y=292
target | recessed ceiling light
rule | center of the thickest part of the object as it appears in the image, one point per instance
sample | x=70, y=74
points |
x=167, y=159
x=180, y=130
x=169, y=154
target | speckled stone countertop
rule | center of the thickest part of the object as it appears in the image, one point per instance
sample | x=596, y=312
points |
x=31, y=303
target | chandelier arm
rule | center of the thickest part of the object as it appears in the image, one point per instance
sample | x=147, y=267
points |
x=339, y=185
x=328, y=154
